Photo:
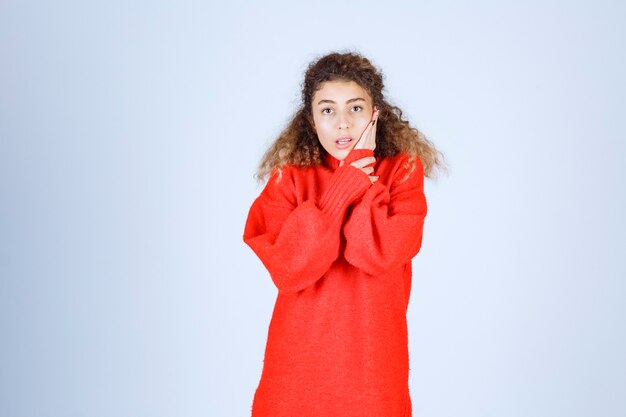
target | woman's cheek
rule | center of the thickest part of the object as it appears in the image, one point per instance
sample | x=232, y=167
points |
x=362, y=124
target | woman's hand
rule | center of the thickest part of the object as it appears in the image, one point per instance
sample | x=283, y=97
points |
x=367, y=141
x=368, y=137
x=362, y=165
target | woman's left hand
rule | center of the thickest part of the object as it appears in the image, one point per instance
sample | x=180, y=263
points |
x=368, y=137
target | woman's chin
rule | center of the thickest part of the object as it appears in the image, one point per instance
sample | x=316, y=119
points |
x=341, y=154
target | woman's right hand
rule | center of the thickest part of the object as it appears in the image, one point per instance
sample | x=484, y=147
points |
x=363, y=163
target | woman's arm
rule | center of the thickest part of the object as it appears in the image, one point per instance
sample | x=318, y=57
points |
x=385, y=228
x=298, y=244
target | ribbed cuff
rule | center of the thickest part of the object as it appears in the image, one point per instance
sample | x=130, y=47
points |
x=346, y=185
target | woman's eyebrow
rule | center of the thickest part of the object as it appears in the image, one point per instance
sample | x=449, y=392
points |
x=348, y=101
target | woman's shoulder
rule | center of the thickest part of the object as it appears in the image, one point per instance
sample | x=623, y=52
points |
x=403, y=166
x=285, y=175
x=280, y=187
x=401, y=159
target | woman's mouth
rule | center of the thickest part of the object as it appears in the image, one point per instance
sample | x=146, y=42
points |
x=343, y=142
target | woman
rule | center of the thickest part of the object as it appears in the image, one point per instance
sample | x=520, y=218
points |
x=336, y=226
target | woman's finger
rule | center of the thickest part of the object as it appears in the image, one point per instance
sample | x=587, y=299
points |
x=368, y=138
x=363, y=162
x=365, y=141
x=372, y=133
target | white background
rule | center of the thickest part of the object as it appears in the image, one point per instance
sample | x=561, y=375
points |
x=129, y=135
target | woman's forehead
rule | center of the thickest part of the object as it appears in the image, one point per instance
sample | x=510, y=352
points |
x=340, y=91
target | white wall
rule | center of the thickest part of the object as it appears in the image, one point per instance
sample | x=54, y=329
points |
x=128, y=139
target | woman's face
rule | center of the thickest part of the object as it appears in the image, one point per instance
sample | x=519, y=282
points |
x=341, y=111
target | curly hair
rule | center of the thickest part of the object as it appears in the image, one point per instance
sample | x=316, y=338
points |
x=299, y=145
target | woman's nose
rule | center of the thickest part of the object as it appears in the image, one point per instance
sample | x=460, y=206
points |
x=344, y=122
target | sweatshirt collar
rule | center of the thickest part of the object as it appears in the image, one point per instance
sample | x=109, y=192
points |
x=332, y=162
x=353, y=155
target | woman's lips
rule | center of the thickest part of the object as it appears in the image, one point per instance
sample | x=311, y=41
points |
x=344, y=142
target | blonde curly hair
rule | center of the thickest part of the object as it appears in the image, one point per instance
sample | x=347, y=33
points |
x=299, y=145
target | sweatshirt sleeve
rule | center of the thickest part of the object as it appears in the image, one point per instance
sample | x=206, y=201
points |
x=385, y=228
x=298, y=243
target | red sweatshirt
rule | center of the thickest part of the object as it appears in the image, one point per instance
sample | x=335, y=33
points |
x=339, y=250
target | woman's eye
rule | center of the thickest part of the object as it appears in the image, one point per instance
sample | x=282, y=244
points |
x=324, y=110
x=358, y=107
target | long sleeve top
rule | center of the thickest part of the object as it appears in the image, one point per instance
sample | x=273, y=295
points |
x=338, y=248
